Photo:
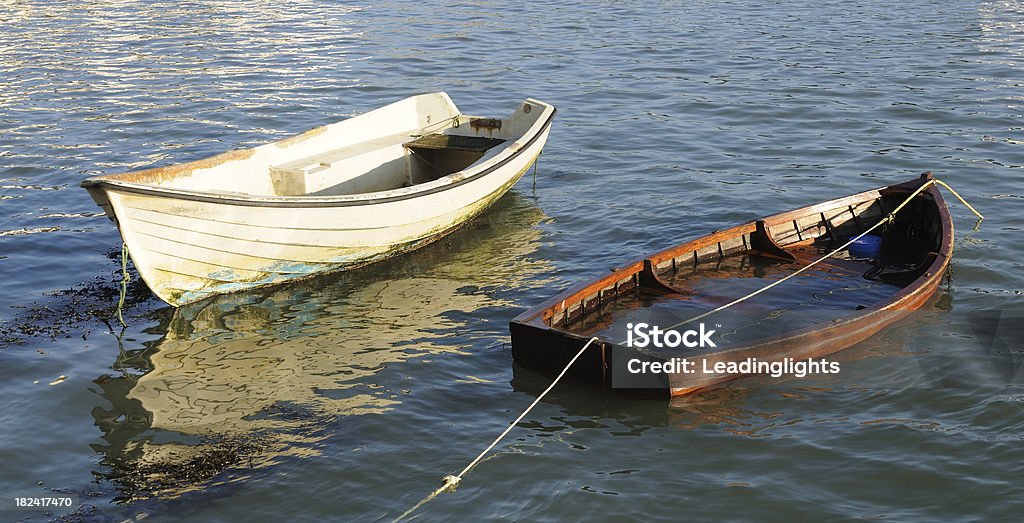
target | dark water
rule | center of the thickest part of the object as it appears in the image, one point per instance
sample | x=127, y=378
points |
x=824, y=293
x=348, y=397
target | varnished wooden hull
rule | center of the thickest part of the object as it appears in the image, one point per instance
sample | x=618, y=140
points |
x=547, y=336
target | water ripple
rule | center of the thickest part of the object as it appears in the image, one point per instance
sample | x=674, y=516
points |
x=674, y=120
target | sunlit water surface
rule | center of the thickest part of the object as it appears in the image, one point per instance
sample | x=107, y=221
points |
x=348, y=397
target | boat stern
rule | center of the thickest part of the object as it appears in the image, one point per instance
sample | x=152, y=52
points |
x=538, y=347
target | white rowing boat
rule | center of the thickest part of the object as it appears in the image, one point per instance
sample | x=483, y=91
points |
x=335, y=197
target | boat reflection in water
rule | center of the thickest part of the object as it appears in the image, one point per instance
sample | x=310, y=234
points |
x=246, y=379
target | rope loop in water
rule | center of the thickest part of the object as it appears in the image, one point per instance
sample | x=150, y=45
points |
x=451, y=481
x=125, y=278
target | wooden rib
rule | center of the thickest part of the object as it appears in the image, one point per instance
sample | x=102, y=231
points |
x=761, y=240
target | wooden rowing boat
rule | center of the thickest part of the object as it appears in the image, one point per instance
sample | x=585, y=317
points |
x=335, y=197
x=823, y=309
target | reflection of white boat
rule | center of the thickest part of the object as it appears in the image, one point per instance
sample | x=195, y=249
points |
x=271, y=367
x=319, y=344
x=335, y=197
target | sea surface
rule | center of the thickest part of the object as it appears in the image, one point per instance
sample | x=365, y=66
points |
x=348, y=397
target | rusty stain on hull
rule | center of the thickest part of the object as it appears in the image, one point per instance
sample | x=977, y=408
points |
x=157, y=175
x=301, y=137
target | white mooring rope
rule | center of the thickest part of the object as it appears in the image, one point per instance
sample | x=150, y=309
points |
x=125, y=278
x=451, y=481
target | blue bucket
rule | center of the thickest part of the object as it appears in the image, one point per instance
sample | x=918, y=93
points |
x=867, y=247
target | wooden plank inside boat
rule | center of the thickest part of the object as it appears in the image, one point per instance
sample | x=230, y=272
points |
x=438, y=154
x=454, y=142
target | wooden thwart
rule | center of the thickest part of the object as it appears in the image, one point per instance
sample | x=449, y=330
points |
x=437, y=141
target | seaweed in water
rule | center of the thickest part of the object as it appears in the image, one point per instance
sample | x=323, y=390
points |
x=185, y=468
x=79, y=308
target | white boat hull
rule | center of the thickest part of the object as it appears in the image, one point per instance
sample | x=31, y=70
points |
x=189, y=248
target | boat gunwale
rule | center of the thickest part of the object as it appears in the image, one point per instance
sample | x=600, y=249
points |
x=109, y=182
x=909, y=298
